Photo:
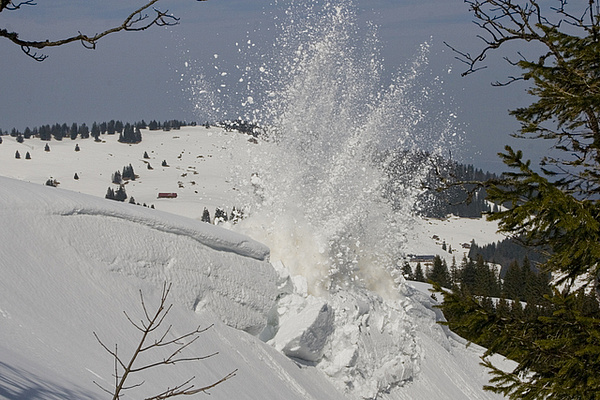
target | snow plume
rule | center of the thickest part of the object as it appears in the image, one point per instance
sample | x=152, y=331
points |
x=319, y=192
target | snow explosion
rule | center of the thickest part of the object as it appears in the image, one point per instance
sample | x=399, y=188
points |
x=318, y=195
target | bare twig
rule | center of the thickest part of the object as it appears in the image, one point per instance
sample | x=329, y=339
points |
x=147, y=326
x=137, y=21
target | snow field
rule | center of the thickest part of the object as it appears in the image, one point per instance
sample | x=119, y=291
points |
x=72, y=263
x=66, y=275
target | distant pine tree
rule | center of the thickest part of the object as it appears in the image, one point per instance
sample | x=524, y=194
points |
x=47, y=147
x=128, y=173
x=407, y=271
x=120, y=194
x=236, y=215
x=27, y=156
x=76, y=177
x=439, y=272
x=84, y=131
x=206, y=215
x=17, y=154
x=220, y=216
x=95, y=131
x=117, y=178
x=74, y=131
x=110, y=127
x=419, y=275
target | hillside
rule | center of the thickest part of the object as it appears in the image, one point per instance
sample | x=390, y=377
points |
x=72, y=263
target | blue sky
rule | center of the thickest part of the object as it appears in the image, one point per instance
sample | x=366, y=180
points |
x=134, y=76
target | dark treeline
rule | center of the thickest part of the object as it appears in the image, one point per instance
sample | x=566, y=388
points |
x=464, y=200
x=476, y=277
x=128, y=132
x=242, y=126
x=506, y=252
x=483, y=307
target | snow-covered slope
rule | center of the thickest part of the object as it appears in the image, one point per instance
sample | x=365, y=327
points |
x=71, y=263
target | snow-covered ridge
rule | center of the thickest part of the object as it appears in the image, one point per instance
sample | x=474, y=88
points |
x=66, y=274
x=207, y=234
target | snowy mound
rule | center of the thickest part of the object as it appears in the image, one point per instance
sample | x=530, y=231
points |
x=375, y=348
x=72, y=264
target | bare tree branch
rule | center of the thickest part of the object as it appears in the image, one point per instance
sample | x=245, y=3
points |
x=151, y=323
x=138, y=20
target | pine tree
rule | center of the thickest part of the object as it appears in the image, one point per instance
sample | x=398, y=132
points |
x=27, y=156
x=95, y=131
x=407, y=271
x=206, y=215
x=17, y=154
x=117, y=178
x=110, y=127
x=513, y=287
x=439, y=272
x=76, y=177
x=220, y=216
x=84, y=131
x=47, y=147
x=128, y=173
x=74, y=131
x=419, y=275
x=120, y=194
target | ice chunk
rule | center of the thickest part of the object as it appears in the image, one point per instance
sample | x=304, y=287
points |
x=305, y=334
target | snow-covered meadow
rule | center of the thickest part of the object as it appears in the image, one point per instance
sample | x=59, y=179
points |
x=71, y=262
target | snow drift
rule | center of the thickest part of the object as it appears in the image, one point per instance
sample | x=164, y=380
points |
x=71, y=264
